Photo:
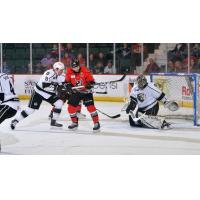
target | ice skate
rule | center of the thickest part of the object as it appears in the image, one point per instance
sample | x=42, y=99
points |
x=73, y=126
x=96, y=127
x=55, y=124
x=13, y=123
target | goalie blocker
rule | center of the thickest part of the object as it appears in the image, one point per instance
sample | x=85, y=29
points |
x=143, y=106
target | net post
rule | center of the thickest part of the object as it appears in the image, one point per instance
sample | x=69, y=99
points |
x=195, y=99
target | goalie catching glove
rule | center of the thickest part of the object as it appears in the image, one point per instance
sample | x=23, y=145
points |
x=171, y=105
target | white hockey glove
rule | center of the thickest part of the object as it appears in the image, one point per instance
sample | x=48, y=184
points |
x=171, y=105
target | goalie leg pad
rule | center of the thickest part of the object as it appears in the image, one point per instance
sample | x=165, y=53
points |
x=153, y=122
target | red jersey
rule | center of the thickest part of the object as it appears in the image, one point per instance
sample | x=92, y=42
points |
x=82, y=77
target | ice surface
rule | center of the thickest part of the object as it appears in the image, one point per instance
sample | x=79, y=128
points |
x=35, y=136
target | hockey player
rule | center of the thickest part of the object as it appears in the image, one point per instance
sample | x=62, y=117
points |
x=144, y=98
x=9, y=103
x=45, y=90
x=80, y=76
x=63, y=95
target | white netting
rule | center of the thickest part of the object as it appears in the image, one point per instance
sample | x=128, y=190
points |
x=180, y=88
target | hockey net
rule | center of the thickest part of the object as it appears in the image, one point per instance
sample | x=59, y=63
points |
x=182, y=88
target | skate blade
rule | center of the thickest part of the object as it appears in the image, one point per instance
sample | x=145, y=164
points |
x=73, y=129
x=56, y=128
x=96, y=131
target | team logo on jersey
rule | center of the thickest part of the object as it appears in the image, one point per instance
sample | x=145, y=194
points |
x=72, y=76
x=78, y=83
x=141, y=97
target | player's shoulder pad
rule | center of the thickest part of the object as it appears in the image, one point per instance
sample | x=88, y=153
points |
x=152, y=85
x=3, y=74
x=84, y=69
x=68, y=71
x=135, y=88
x=49, y=72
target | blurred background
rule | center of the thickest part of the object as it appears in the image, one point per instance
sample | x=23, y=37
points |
x=101, y=58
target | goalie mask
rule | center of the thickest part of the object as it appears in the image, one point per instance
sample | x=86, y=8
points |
x=141, y=81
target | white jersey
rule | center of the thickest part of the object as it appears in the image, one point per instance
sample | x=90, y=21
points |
x=8, y=96
x=146, y=97
x=44, y=87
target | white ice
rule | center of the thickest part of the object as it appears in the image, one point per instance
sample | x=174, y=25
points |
x=35, y=136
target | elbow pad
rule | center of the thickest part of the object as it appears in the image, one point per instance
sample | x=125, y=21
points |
x=44, y=85
x=162, y=97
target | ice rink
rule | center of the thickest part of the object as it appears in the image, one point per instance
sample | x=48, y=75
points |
x=35, y=136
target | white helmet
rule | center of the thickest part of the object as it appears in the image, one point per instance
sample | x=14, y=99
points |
x=58, y=65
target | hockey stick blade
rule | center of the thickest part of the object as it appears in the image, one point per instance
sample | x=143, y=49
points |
x=121, y=79
x=101, y=92
x=112, y=117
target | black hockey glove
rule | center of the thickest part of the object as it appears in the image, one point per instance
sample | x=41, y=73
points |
x=61, y=93
x=68, y=87
x=132, y=105
x=90, y=85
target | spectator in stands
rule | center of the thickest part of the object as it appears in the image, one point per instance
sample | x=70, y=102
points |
x=125, y=52
x=135, y=56
x=6, y=68
x=152, y=67
x=194, y=67
x=170, y=66
x=55, y=51
x=179, y=66
x=196, y=51
x=101, y=58
x=81, y=59
x=98, y=68
x=109, y=68
x=91, y=61
x=178, y=53
x=66, y=60
x=70, y=51
x=47, y=62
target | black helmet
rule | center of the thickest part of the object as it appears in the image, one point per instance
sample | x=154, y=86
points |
x=75, y=63
x=141, y=81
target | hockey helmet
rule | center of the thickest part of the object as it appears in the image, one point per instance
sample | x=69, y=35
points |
x=75, y=63
x=141, y=81
x=58, y=65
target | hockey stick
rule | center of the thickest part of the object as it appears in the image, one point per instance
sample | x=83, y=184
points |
x=102, y=92
x=121, y=79
x=112, y=117
x=81, y=87
x=135, y=119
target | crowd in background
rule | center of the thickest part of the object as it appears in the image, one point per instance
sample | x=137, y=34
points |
x=128, y=58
